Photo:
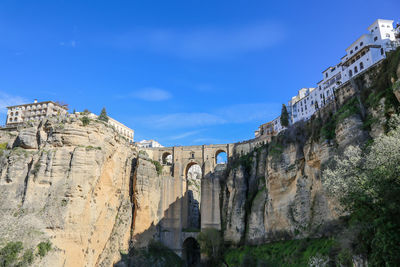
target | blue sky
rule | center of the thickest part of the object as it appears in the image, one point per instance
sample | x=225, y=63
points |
x=181, y=72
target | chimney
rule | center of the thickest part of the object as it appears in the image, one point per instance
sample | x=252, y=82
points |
x=35, y=101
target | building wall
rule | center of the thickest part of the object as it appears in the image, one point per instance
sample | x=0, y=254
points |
x=33, y=111
x=122, y=129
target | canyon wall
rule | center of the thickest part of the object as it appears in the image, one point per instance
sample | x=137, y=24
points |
x=67, y=184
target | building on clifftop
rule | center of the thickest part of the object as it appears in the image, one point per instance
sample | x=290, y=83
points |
x=34, y=112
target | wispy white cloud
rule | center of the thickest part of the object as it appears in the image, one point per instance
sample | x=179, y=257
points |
x=71, y=43
x=184, y=135
x=204, y=42
x=148, y=94
x=241, y=113
x=9, y=100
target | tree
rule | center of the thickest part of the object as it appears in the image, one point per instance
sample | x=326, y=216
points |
x=284, y=116
x=211, y=244
x=367, y=184
x=103, y=115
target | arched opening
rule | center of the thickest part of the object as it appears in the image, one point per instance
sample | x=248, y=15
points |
x=221, y=157
x=191, y=252
x=193, y=178
x=167, y=158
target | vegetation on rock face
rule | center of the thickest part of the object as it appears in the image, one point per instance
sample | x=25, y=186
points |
x=12, y=254
x=43, y=248
x=85, y=120
x=367, y=184
x=284, y=116
x=158, y=166
x=156, y=254
x=103, y=115
x=285, y=253
x=211, y=244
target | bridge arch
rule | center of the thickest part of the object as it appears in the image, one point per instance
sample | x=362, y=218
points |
x=167, y=158
x=191, y=252
x=221, y=157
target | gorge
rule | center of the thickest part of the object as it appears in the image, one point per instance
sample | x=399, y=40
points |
x=96, y=198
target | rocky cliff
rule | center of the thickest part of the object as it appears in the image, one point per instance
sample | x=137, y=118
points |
x=275, y=191
x=66, y=184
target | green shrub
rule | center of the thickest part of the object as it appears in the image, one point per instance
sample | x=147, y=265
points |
x=3, y=146
x=36, y=168
x=283, y=253
x=85, y=120
x=212, y=245
x=9, y=254
x=93, y=148
x=28, y=257
x=43, y=248
x=158, y=166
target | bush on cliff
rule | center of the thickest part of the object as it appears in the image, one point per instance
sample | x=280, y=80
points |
x=367, y=184
x=212, y=245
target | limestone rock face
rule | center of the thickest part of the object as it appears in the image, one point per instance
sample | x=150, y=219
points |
x=27, y=138
x=67, y=184
x=279, y=195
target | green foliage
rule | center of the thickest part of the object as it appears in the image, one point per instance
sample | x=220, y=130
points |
x=10, y=253
x=103, y=115
x=36, y=168
x=212, y=245
x=156, y=254
x=93, y=148
x=27, y=258
x=367, y=184
x=284, y=253
x=284, y=116
x=3, y=146
x=85, y=120
x=245, y=161
x=275, y=150
x=43, y=248
x=351, y=107
x=158, y=166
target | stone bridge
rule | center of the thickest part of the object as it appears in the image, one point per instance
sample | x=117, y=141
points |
x=190, y=200
x=187, y=190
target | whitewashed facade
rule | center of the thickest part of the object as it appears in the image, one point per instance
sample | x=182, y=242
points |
x=33, y=112
x=365, y=52
x=148, y=144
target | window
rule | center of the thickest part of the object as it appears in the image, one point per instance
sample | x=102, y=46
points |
x=382, y=51
x=326, y=75
x=320, y=95
x=351, y=51
x=356, y=48
x=12, y=114
x=350, y=73
x=372, y=31
x=361, y=66
x=358, y=57
x=355, y=69
x=362, y=53
x=16, y=113
x=361, y=44
x=375, y=38
x=353, y=61
x=388, y=35
x=319, y=87
x=387, y=26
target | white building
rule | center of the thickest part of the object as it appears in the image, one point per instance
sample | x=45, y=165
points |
x=270, y=128
x=123, y=130
x=34, y=112
x=302, y=106
x=369, y=49
x=148, y=144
